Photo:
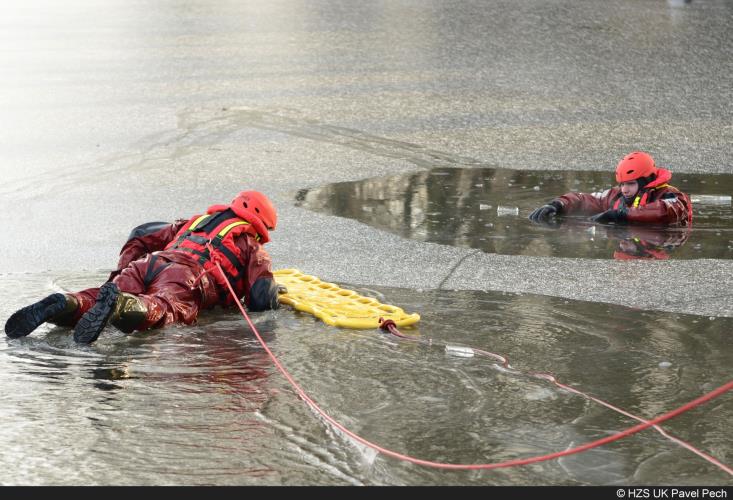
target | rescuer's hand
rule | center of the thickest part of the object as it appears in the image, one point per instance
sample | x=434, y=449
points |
x=546, y=212
x=611, y=215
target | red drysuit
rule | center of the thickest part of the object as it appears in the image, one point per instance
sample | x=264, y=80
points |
x=175, y=281
x=656, y=203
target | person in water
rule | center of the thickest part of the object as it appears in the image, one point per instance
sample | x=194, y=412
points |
x=643, y=196
x=167, y=273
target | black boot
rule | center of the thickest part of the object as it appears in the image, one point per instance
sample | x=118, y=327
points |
x=54, y=307
x=123, y=310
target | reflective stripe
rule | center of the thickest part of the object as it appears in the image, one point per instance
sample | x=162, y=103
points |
x=198, y=221
x=234, y=224
x=228, y=228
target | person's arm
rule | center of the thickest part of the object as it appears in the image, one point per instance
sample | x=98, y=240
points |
x=583, y=203
x=144, y=239
x=671, y=208
x=571, y=204
x=261, y=290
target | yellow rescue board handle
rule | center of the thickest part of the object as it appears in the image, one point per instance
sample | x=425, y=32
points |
x=334, y=305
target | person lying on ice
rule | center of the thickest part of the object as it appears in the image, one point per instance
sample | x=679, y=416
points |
x=641, y=197
x=167, y=273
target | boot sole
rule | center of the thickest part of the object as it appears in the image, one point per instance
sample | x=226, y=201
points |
x=25, y=320
x=95, y=319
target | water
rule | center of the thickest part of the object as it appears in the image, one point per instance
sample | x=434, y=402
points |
x=487, y=209
x=119, y=113
x=204, y=405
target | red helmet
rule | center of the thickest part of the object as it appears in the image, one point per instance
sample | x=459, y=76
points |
x=251, y=205
x=255, y=208
x=635, y=166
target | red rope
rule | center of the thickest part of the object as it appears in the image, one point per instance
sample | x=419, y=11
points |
x=391, y=327
x=427, y=463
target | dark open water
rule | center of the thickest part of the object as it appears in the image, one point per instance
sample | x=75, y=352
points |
x=487, y=209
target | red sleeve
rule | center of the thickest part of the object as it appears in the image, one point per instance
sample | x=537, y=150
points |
x=672, y=209
x=141, y=245
x=585, y=203
x=258, y=267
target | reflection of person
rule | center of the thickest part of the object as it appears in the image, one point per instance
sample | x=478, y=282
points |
x=643, y=242
x=642, y=197
x=167, y=273
x=638, y=249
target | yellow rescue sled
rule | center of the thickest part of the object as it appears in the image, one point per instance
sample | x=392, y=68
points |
x=337, y=306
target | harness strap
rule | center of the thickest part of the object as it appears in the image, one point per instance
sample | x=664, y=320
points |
x=203, y=256
x=190, y=229
x=207, y=223
x=217, y=243
x=152, y=273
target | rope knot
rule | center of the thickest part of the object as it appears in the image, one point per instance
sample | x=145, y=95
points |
x=214, y=257
x=386, y=324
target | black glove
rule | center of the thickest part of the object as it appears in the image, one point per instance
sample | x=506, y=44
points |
x=545, y=212
x=611, y=215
